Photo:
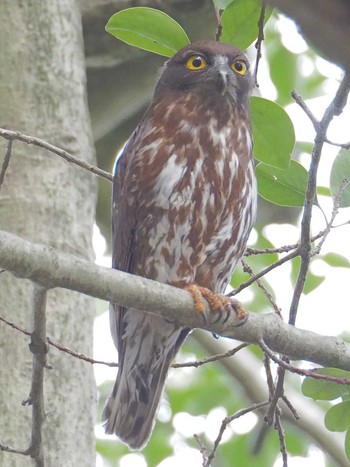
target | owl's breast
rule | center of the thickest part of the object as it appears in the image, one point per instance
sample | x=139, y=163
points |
x=190, y=207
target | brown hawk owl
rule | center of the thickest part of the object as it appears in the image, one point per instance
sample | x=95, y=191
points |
x=184, y=202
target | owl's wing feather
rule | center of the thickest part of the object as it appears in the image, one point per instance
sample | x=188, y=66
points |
x=130, y=410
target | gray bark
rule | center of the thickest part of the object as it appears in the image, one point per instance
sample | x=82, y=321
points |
x=50, y=268
x=44, y=199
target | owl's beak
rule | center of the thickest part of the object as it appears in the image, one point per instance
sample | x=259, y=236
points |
x=222, y=81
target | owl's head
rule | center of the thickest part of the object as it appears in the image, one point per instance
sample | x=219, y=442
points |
x=208, y=68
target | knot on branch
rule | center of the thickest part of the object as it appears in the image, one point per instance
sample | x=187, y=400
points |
x=37, y=345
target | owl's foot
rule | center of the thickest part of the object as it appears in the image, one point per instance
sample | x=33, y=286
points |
x=218, y=303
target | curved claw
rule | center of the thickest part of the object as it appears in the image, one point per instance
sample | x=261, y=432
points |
x=218, y=303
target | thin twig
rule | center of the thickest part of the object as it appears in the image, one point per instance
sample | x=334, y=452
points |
x=291, y=407
x=259, y=41
x=219, y=25
x=301, y=371
x=335, y=210
x=262, y=273
x=60, y=347
x=340, y=145
x=16, y=135
x=81, y=356
x=300, y=101
x=335, y=108
x=5, y=448
x=224, y=424
x=282, y=440
x=6, y=162
x=202, y=449
x=281, y=249
x=273, y=410
x=213, y=358
x=248, y=269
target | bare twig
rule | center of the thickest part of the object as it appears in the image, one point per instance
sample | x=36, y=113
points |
x=213, y=358
x=6, y=162
x=282, y=440
x=335, y=210
x=60, y=347
x=202, y=449
x=259, y=40
x=248, y=269
x=219, y=24
x=224, y=424
x=39, y=348
x=281, y=249
x=300, y=371
x=273, y=411
x=300, y=101
x=335, y=108
x=81, y=356
x=5, y=448
x=16, y=135
x=262, y=273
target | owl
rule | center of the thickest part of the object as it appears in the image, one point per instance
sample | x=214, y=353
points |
x=184, y=203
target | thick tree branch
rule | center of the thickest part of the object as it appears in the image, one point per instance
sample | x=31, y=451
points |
x=51, y=268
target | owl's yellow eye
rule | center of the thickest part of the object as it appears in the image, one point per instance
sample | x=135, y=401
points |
x=196, y=62
x=239, y=66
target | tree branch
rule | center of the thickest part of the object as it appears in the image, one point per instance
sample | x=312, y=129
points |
x=11, y=135
x=39, y=348
x=51, y=268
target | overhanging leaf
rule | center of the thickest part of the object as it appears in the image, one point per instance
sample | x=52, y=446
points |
x=282, y=187
x=273, y=132
x=326, y=390
x=336, y=260
x=347, y=445
x=323, y=191
x=222, y=4
x=338, y=417
x=240, y=22
x=340, y=172
x=148, y=29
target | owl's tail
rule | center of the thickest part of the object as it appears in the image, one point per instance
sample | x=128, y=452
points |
x=144, y=362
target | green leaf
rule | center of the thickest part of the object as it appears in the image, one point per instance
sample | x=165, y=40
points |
x=282, y=187
x=341, y=171
x=335, y=260
x=148, y=29
x=222, y=4
x=273, y=133
x=240, y=22
x=338, y=417
x=283, y=69
x=326, y=390
x=312, y=280
x=323, y=191
x=347, y=445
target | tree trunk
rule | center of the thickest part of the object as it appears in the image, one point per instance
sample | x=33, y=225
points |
x=46, y=200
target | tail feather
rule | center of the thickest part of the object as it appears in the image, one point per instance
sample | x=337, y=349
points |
x=146, y=358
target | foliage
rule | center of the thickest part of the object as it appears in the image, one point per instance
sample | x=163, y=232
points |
x=148, y=29
x=337, y=417
x=340, y=172
x=239, y=21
